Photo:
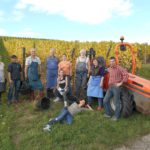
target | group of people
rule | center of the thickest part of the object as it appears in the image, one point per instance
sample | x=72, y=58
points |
x=58, y=81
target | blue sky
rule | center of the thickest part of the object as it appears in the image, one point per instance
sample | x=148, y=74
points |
x=83, y=20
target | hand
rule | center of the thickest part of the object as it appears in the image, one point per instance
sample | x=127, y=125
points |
x=101, y=84
x=10, y=82
x=118, y=84
x=66, y=88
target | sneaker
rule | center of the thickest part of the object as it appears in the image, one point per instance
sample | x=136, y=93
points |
x=47, y=128
x=99, y=108
x=107, y=116
x=114, y=118
x=56, y=99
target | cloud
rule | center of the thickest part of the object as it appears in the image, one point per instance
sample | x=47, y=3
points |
x=3, y=32
x=84, y=11
x=26, y=32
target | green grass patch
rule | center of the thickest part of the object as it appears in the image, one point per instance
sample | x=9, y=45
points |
x=22, y=130
x=145, y=71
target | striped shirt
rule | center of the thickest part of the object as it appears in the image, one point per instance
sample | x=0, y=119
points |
x=117, y=74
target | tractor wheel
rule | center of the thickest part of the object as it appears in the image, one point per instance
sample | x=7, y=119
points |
x=127, y=103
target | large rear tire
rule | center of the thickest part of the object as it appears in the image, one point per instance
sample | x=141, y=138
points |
x=127, y=103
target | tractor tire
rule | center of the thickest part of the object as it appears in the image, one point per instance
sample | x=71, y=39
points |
x=127, y=103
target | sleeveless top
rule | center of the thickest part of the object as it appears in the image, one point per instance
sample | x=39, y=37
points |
x=62, y=82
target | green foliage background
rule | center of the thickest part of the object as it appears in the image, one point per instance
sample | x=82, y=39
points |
x=14, y=45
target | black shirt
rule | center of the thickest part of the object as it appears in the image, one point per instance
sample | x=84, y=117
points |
x=15, y=71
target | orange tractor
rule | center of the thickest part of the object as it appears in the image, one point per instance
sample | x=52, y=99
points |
x=135, y=94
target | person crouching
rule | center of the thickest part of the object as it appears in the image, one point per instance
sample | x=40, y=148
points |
x=62, y=87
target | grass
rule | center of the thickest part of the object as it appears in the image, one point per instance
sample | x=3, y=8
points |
x=21, y=129
x=145, y=71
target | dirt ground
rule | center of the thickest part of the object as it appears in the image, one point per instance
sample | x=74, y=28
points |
x=140, y=144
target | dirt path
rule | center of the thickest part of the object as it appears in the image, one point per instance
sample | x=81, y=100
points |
x=140, y=144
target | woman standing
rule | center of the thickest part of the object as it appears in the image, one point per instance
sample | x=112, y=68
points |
x=51, y=72
x=82, y=71
x=95, y=84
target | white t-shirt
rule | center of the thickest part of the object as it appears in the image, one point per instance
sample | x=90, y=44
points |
x=29, y=60
x=85, y=59
x=2, y=78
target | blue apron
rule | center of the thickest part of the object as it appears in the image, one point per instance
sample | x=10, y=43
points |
x=94, y=89
x=51, y=72
x=33, y=76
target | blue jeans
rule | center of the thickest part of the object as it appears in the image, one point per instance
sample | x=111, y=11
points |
x=64, y=115
x=13, y=93
x=81, y=84
x=113, y=91
x=100, y=101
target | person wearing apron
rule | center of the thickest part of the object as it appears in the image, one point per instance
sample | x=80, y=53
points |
x=82, y=71
x=51, y=73
x=95, y=84
x=33, y=73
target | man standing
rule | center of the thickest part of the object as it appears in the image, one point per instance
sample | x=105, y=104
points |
x=33, y=73
x=82, y=69
x=51, y=72
x=117, y=76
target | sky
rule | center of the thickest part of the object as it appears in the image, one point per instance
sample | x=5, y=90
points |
x=82, y=20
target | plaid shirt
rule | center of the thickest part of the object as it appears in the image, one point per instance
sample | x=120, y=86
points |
x=117, y=74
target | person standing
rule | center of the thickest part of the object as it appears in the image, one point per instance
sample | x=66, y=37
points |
x=66, y=67
x=82, y=71
x=117, y=76
x=95, y=84
x=51, y=72
x=2, y=78
x=14, y=78
x=33, y=73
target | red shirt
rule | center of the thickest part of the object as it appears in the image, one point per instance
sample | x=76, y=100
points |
x=117, y=74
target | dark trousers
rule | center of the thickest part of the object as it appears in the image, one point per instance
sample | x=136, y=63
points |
x=13, y=93
x=113, y=91
x=100, y=101
x=57, y=93
x=81, y=84
x=69, y=86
